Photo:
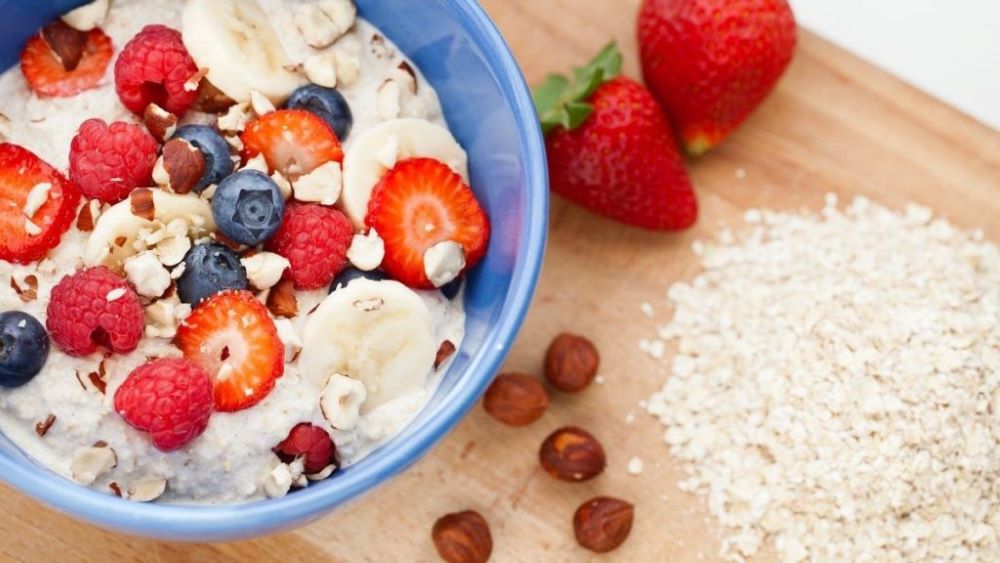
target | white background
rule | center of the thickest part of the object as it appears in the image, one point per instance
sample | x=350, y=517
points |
x=949, y=48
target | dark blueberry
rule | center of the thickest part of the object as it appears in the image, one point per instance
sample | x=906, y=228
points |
x=350, y=274
x=24, y=347
x=208, y=269
x=326, y=103
x=450, y=290
x=248, y=207
x=214, y=149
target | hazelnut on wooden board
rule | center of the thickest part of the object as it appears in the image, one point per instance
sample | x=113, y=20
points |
x=463, y=537
x=572, y=454
x=516, y=399
x=571, y=363
x=603, y=523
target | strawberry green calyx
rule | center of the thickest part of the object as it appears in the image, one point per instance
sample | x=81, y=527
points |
x=562, y=102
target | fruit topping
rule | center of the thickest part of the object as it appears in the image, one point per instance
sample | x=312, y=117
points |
x=232, y=337
x=155, y=68
x=109, y=161
x=294, y=142
x=91, y=308
x=326, y=103
x=376, y=150
x=24, y=347
x=419, y=204
x=234, y=40
x=351, y=273
x=315, y=240
x=248, y=207
x=171, y=399
x=214, y=149
x=208, y=269
x=380, y=333
x=85, y=58
x=149, y=219
x=310, y=442
x=37, y=205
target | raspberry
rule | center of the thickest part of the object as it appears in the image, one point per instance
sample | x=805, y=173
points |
x=315, y=240
x=108, y=162
x=153, y=69
x=312, y=442
x=169, y=398
x=91, y=308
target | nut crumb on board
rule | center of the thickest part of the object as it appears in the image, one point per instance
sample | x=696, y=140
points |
x=836, y=383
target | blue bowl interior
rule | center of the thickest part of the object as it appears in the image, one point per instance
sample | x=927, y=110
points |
x=489, y=109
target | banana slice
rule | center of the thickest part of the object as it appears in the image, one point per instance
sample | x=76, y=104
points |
x=379, y=332
x=377, y=150
x=117, y=230
x=235, y=42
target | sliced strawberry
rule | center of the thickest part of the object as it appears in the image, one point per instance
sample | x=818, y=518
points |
x=294, y=142
x=50, y=76
x=27, y=239
x=231, y=336
x=418, y=204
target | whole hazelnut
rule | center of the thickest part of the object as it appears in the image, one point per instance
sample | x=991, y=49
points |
x=572, y=454
x=516, y=399
x=603, y=523
x=571, y=363
x=463, y=537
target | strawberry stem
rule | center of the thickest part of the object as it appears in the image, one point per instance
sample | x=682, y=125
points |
x=562, y=102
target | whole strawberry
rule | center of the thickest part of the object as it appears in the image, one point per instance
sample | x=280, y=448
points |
x=710, y=63
x=610, y=148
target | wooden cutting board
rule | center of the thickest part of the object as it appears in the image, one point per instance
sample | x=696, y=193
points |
x=834, y=124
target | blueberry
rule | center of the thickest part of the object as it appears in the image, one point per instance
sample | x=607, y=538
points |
x=248, y=207
x=208, y=269
x=350, y=274
x=214, y=149
x=24, y=347
x=326, y=103
x=450, y=290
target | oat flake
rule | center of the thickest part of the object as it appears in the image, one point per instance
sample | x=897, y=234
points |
x=836, y=388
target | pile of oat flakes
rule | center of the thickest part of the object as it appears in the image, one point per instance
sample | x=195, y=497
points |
x=837, y=386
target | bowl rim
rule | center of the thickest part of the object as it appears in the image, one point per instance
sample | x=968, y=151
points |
x=191, y=522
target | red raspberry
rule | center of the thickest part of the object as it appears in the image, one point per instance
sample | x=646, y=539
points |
x=91, y=308
x=169, y=398
x=312, y=442
x=108, y=162
x=152, y=69
x=315, y=240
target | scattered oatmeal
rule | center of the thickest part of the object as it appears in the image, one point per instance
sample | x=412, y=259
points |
x=647, y=310
x=654, y=348
x=836, y=385
x=635, y=466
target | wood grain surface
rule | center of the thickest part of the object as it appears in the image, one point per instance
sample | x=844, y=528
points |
x=834, y=124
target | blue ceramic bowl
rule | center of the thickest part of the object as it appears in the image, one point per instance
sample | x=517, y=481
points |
x=489, y=109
